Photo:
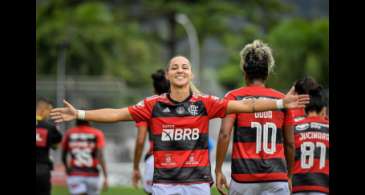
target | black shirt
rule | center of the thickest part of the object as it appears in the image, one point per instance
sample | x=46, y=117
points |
x=47, y=135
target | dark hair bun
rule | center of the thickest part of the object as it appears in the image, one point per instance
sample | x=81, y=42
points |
x=316, y=91
x=158, y=75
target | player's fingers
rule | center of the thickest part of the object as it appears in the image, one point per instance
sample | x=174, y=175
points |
x=291, y=91
x=304, y=101
x=220, y=188
x=225, y=185
x=304, y=97
x=220, y=191
x=58, y=121
x=59, y=110
x=67, y=104
x=56, y=117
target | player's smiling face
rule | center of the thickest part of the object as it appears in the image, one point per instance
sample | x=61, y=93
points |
x=179, y=72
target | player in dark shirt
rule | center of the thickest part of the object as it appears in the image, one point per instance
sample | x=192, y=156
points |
x=47, y=137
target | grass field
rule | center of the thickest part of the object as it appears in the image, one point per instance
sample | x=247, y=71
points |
x=58, y=190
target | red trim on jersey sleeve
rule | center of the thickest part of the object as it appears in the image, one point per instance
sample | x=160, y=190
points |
x=229, y=96
x=260, y=177
x=216, y=107
x=178, y=159
x=248, y=151
x=142, y=124
x=310, y=188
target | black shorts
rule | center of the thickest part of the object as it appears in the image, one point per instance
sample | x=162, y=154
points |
x=43, y=179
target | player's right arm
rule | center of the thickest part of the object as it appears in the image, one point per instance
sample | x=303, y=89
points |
x=140, y=140
x=222, y=146
x=106, y=115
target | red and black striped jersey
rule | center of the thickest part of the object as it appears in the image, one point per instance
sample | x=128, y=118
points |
x=258, y=149
x=311, y=169
x=82, y=143
x=179, y=131
x=47, y=135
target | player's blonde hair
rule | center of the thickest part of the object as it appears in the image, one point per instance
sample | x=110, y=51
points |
x=194, y=89
x=257, y=55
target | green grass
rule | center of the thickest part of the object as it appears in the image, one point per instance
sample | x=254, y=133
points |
x=59, y=190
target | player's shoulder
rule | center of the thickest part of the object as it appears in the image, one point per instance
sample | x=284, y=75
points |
x=275, y=93
x=235, y=92
x=71, y=130
x=147, y=101
x=302, y=124
x=204, y=97
x=309, y=122
x=155, y=98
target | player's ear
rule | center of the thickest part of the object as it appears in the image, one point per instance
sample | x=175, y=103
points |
x=323, y=112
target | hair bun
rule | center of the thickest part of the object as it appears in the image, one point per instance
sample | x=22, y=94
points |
x=316, y=91
x=158, y=75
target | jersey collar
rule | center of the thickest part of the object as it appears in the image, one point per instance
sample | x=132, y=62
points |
x=177, y=102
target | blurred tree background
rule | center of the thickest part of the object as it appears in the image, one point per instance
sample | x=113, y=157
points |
x=129, y=39
x=109, y=48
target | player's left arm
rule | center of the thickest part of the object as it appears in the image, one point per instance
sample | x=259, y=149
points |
x=260, y=105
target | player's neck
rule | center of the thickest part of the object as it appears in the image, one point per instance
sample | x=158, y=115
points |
x=313, y=114
x=180, y=94
x=257, y=83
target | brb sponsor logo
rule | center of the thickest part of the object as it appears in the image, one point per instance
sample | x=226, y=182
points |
x=169, y=133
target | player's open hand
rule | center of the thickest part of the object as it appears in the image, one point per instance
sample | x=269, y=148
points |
x=66, y=113
x=136, y=176
x=296, y=101
x=221, y=183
